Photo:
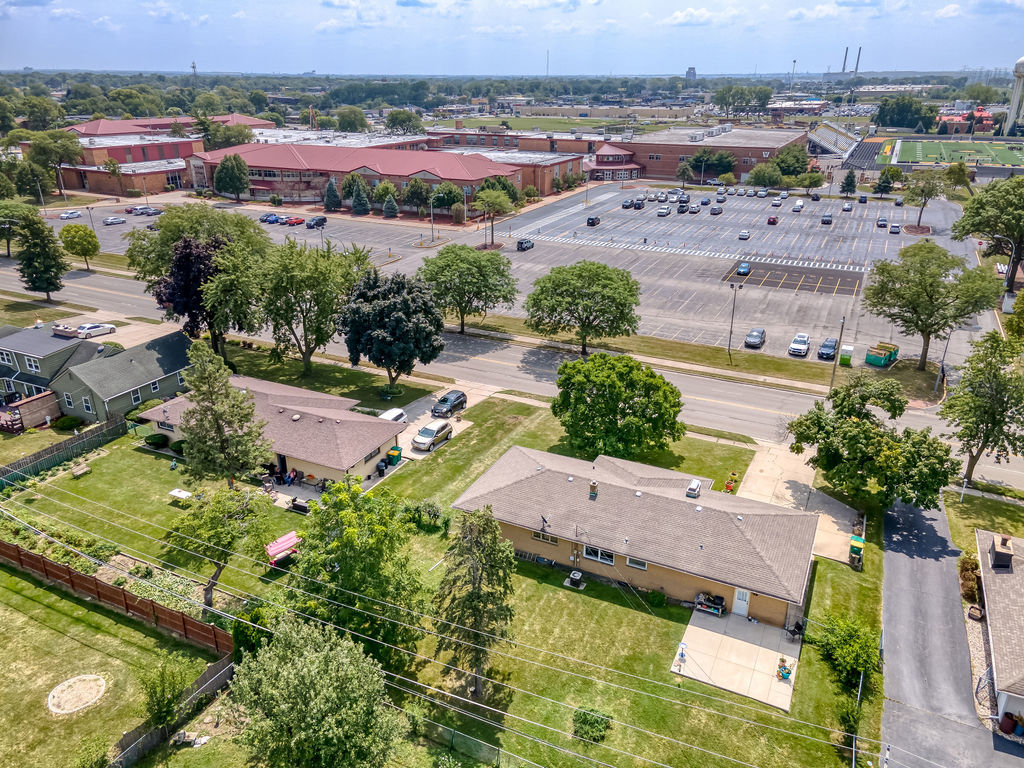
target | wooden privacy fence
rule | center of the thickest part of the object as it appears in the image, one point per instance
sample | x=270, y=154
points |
x=160, y=616
x=17, y=472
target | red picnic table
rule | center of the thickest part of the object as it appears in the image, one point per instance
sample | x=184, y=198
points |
x=283, y=547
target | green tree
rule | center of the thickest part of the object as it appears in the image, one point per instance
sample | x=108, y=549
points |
x=350, y=183
x=850, y=649
x=332, y=200
x=883, y=186
x=311, y=699
x=617, y=406
x=219, y=523
x=986, y=407
x=383, y=191
x=765, y=175
x=923, y=186
x=702, y=163
x=504, y=184
x=360, y=202
x=995, y=213
x=685, y=173
x=893, y=172
x=929, y=292
x=403, y=121
x=7, y=189
x=475, y=594
x=788, y=182
x=390, y=208
x=588, y=299
x=469, y=282
x=792, y=160
x=41, y=113
x=258, y=99
x=232, y=176
x=111, y=166
x=905, y=112
x=355, y=568
x=393, y=322
x=41, y=259
x=856, y=448
x=727, y=179
x=178, y=130
x=79, y=240
x=447, y=194
x=417, y=193
x=223, y=438
x=809, y=181
x=31, y=180
x=957, y=176
x=305, y=290
x=11, y=214
x=224, y=136
x=163, y=680
x=723, y=162
x=491, y=202
x=352, y=120
x=8, y=121
x=55, y=148
x=849, y=185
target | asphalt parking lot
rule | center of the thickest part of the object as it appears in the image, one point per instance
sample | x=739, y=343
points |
x=828, y=282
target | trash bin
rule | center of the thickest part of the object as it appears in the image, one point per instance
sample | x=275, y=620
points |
x=381, y=468
x=394, y=455
x=846, y=355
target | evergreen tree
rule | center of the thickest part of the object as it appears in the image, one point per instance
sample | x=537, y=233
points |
x=349, y=185
x=223, y=438
x=390, y=208
x=884, y=185
x=332, y=200
x=849, y=185
x=232, y=176
x=41, y=260
x=360, y=202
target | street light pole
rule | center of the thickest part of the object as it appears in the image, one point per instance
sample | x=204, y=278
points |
x=431, y=203
x=942, y=363
x=1013, y=260
x=735, y=289
x=839, y=347
x=144, y=192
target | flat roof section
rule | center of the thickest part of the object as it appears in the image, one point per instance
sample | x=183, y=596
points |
x=768, y=138
x=331, y=138
x=514, y=157
x=130, y=169
x=130, y=139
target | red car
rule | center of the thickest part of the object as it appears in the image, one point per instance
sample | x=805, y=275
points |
x=294, y=221
x=131, y=208
x=773, y=219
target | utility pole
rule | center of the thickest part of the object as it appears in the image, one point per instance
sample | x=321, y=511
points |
x=735, y=289
x=839, y=347
x=791, y=76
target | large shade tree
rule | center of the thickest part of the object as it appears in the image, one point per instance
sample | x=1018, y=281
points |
x=922, y=187
x=41, y=259
x=996, y=213
x=79, y=240
x=232, y=176
x=929, y=292
x=469, y=282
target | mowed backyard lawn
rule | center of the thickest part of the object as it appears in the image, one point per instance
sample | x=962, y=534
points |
x=980, y=512
x=47, y=637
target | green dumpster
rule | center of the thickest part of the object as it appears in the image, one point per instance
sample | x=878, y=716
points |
x=395, y=455
x=877, y=356
x=856, y=552
x=846, y=355
x=892, y=352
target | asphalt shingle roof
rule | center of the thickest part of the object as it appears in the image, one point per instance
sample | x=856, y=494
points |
x=136, y=366
x=36, y=342
x=1004, y=612
x=642, y=512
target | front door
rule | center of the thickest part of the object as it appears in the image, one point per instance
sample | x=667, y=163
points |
x=741, y=602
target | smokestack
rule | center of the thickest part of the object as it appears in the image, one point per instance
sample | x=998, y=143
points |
x=856, y=67
x=845, y=54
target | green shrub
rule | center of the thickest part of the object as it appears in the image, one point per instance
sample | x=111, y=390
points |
x=530, y=192
x=178, y=446
x=66, y=423
x=390, y=208
x=157, y=440
x=133, y=414
x=970, y=572
x=133, y=193
x=458, y=214
x=162, y=685
x=849, y=648
x=120, y=581
x=422, y=212
x=656, y=599
x=169, y=187
x=249, y=638
x=113, y=345
x=31, y=431
x=447, y=760
x=590, y=725
x=276, y=201
x=92, y=753
x=142, y=571
x=848, y=714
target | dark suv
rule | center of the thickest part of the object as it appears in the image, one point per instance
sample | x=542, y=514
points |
x=316, y=222
x=593, y=221
x=827, y=350
x=449, y=403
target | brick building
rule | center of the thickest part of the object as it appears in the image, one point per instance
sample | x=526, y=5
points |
x=539, y=169
x=155, y=125
x=147, y=162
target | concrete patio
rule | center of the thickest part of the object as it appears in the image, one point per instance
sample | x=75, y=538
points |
x=739, y=656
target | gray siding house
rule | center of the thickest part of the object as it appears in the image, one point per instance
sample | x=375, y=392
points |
x=31, y=358
x=117, y=383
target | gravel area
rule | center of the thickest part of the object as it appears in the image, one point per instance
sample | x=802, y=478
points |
x=981, y=661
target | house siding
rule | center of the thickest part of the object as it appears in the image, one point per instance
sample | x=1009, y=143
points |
x=120, y=404
x=675, y=584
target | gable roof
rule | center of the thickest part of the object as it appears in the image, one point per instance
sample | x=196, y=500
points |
x=105, y=127
x=1004, y=612
x=326, y=431
x=36, y=342
x=606, y=150
x=382, y=161
x=642, y=512
x=136, y=366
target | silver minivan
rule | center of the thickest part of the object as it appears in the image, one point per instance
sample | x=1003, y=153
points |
x=693, y=489
x=395, y=414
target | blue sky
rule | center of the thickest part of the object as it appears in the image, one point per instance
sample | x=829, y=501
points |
x=484, y=37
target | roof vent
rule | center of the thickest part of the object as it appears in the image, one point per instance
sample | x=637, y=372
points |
x=280, y=410
x=593, y=489
x=319, y=421
x=740, y=518
x=571, y=478
x=699, y=509
x=296, y=417
x=99, y=349
x=1002, y=551
x=638, y=494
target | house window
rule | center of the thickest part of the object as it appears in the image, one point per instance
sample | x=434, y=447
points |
x=154, y=387
x=6, y=359
x=371, y=454
x=654, y=157
x=136, y=397
x=86, y=404
x=32, y=364
x=69, y=401
x=36, y=390
x=8, y=385
x=181, y=379
x=601, y=555
x=632, y=562
x=545, y=537
x=165, y=426
x=748, y=161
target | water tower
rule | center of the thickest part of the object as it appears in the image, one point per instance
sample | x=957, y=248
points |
x=1014, y=116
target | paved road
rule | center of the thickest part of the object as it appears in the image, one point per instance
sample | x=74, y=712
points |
x=928, y=683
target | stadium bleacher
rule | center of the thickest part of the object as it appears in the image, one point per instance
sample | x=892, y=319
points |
x=833, y=139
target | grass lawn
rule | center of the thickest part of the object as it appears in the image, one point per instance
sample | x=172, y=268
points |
x=48, y=636
x=979, y=512
x=14, y=447
x=41, y=298
x=917, y=385
x=335, y=379
x=24, y=313
x=105, y=261
x=500, y=424
x=528, y=123
x=56, y=201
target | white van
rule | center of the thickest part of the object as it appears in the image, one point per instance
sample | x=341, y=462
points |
x=693, y=489
x=395, y=414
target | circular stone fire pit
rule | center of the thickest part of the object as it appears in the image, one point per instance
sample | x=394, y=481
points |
x=75, y=694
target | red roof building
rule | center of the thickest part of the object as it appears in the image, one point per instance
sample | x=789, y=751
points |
x=142, y=125
x=300, y=172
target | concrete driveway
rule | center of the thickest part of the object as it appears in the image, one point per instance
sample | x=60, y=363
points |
x=928, y=682
x=419, y=415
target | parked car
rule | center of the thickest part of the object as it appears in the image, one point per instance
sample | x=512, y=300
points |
x=712, y=182
x=294, y=221
x=720, y=199
x=800, y=345
x=684, y=198
x=715, y=210
x=881, y=222
x=744, y=234
x=131, y=208
x=720, y=191
x=316, y=222
x=395, y=414
x=449, y=403
x=140, y=210
x=798, y=206
x=641, y=196
x=784, y=195
x=731, y=191
x=664, y=210
x=152, y=227
x=756, y=338
x=267, y=217
x=673, y=197
x=593, y=221
x=826, y=219
x=773, y=219
x=154, y=211
x=847, y=206
x=627, y=203
x=693, y=489
x=705, y=201
x=743, y=268
x=898, y=201
x=524, y=245
x=432, y=435
x=894, y=229
x=815, y=196
x=762, y=193
x=862, y=199
x=88, y=330
x=741, y=192
x=638, y=205
x=694, y=209
x=827, y=350
x=682, y=208
x=777, y=202
x=662, y=197
x=71, y=215
x=114, y=220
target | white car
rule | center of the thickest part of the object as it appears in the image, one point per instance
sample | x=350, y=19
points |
x=744, y=234
x=114, y=220
x=71, y=215
x=800, y=345
x=784, y=195
x=664, y=210
x=88, y=330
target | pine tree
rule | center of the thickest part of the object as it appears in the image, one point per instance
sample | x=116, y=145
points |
x=332, y=200
x=849, y=185
x=884, y=185
x=360, y=202
x=390, y=208
x=41, y=261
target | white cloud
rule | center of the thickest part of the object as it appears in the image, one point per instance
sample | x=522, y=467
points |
x=238, y=15
x=502, y=31
x=690, y=16
x=106, y=23
x=65, y=13
x=332, y=25
x=822, y=11
x=950, y=11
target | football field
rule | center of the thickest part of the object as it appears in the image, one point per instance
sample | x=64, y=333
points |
x=976, y=152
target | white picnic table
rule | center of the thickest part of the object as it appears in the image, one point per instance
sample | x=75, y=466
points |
x=180, y=493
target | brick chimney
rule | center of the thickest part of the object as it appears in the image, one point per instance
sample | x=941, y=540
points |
x=1002, y=551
